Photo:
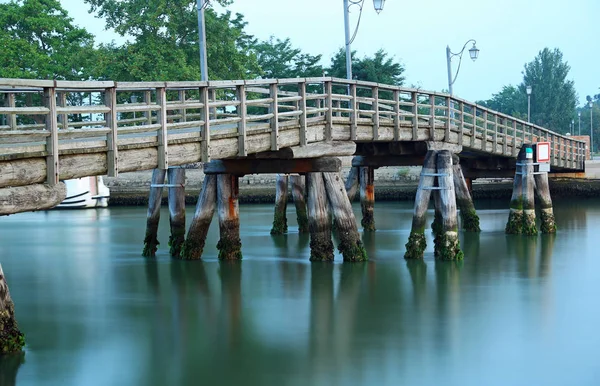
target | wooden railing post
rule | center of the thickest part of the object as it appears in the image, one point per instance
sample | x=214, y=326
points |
x=474, y=128
x=375, y=95
x=415, y=110
x=495, y=133
x=112, y=154
x=448, y=120
x=274, y=109
x=514, y=139
x=52, y=172
x=302, y=107
x=462, y=123
x=163, y=155
x=205, y=100
x=329, y=113
x=396, y=96
x=148, y=100
x=12, y=118
x=183, y=111
x=62, y=102
x=485, y=129
x=432, y=118
x=242, y=111
x=353, y=112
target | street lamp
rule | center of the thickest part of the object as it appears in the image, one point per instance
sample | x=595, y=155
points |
x=201, y=5
x=591, y=104
x=529, y=89
x=579, y=116
x=377, y=4
x=473, y=53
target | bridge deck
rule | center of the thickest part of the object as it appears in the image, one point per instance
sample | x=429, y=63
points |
x=60, y=129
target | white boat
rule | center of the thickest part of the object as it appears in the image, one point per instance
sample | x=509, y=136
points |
x=86, y=192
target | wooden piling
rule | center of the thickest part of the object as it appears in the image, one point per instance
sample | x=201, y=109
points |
x=515, y=218
x=298, y=190
x=447, y=246
x=321, y=245
x=11, y=339
x=528, y=198
x=281, y=195
x=545, y=201
x=352, y=183
x=193, y=246
x=230, y=244
x=464, y=201
x=156, y=190
x=367, y=197
x=176, y=177
x=350, y=244
x=416, y=245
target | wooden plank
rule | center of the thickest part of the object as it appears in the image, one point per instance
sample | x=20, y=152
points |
x=353, y=113
x=274, y=121
x=241, y=96
x=415, y=111
x=302, y=107
x=29, y=110
x=258, y=166
x=204, y=97
x=52, y=171
x=148, y=101
x=375, y=107
x=163, y=151
x=112, y=155
x=10, y=82
x=388, y=160
x=329, y=112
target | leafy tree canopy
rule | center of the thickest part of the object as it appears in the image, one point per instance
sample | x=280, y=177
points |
x=380, y=68
x=278, y=59
x=510, y=100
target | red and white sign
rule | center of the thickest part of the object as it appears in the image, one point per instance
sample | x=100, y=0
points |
x=543, y=152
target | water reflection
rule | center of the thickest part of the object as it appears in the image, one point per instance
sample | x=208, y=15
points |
x=9, y=366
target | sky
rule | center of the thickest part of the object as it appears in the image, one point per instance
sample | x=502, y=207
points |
x=509, y=34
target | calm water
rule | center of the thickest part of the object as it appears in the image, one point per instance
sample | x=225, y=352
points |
x=517, y=311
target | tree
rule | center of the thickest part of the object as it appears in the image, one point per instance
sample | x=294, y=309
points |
x=380, y=68
x=40, y=41
x=165, y=45
x=278, y=59
x=510, y=100
x=553, y=99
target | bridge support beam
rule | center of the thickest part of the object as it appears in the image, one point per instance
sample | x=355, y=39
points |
x=281, y=196
x=176, y=176
x=321, y=246
x=298, y=191
x=30, y=198
x=193, y=246
x=350, y=245
x=468, y=214
x=11, y=339
x=154, y=200
x=230, y=244
x=367, y=197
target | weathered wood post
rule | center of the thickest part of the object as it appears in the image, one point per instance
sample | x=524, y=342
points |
x=153, y=217
x=298, y=189
x=367, y=197
x=545, y=201
x=230, y=244
x=321, y=245
x=176, y=176
x=350, y=245
x=528, y=198
x=447, y=246
x=515, y=218
x=281, y=196
x=11, y=339
x=416, y=242
x=468, y=214
x=352, y=183
x=193, y=246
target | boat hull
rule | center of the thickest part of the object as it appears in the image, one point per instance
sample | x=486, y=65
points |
x=86, y=192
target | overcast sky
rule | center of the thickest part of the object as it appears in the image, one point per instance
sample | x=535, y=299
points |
x=509, y=34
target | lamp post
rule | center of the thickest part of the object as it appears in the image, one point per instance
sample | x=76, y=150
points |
x=201, y=5
x=573, y=126
x=377, y=4
x=473, y=53
x=579, y=116
x=591, y=104
x=529, y=89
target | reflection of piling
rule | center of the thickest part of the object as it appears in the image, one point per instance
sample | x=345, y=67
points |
x=176, y=178
x=298, y=190
x=11, y=339
x=231, y=289
x=281, y=195
x=321, y=246
x=205, y=208
x=153, y=217
x=350, y=245
x=9, y=367
x=230, y=244
x=367, y=197
x=464, y=201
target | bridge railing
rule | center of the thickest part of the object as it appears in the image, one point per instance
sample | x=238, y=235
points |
x=40, y=118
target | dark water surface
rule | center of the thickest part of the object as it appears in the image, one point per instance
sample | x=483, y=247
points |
x=517, y=311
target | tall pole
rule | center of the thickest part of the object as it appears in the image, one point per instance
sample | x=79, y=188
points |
x=528, y=108
x=592, y=128
x=200, y=5
x=347, y=32
x=579, y=116
x=449, y=64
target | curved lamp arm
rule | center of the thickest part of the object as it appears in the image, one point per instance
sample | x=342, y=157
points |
x=460, y=54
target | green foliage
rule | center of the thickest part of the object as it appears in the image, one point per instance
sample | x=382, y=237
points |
x=40, y=41
x=278, y=59
x=380, y=68
x=510, y=100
